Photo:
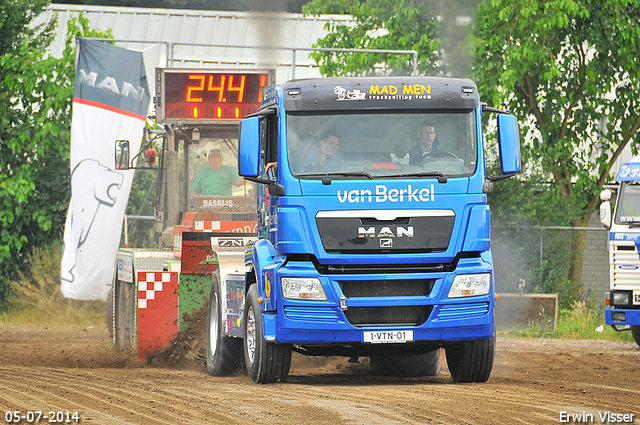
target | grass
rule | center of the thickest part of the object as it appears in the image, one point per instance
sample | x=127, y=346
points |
x=579, y=322
x=72, y=314
x=39, y=302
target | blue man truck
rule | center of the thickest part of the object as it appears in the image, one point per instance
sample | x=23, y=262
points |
x=372, y=241
x=624, y=241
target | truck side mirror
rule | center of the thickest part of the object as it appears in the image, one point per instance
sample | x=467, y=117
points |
x=122, y=155
x=249, y=155
x=509, y=143
x=605, y=208
x=249, y=147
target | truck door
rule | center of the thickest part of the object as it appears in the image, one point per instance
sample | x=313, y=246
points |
x=269, y=169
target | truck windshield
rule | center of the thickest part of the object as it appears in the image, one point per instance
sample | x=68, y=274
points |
x=382, y=145
x=628, y=208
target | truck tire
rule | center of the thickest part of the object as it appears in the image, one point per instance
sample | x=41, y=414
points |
x=635, y=331
x=224, y=353
x=471, y=361
x=124, y=332
x=266, y=362
x=407, y=366
x=110, y=311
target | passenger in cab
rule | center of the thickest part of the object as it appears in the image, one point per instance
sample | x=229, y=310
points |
x=322, y=158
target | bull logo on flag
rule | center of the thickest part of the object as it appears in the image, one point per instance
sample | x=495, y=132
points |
x=110, y=102
x=101, y=185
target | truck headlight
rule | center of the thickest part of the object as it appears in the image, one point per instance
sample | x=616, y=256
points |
x=621, y=298
x=303, y=288
x=470, y=285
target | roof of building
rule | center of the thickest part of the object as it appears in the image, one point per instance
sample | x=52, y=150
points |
x=179, y=38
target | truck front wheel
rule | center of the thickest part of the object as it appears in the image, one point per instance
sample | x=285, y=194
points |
x=224, y=353
x=266, y=362
x=407, y=366
x=471, y=361
x=635, y=331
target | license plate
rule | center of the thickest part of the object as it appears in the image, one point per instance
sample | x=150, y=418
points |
x=387, y=337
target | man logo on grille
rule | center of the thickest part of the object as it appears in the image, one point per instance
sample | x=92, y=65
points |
x=385, y=232
x=386, y=243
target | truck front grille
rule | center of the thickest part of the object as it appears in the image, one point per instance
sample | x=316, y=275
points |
x=414, y=315
x=311, y=314
x=465, y=311
x=386, y=288
x=625, y=264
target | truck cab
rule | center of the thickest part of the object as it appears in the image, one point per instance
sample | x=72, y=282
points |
x=624, y=240
x=368, y=244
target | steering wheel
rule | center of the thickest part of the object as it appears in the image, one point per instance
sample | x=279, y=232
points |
x=437, y=154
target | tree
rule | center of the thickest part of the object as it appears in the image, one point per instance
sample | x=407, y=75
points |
x=380, y=24
x=35, y=122
x=569, y=70
x=14, y=20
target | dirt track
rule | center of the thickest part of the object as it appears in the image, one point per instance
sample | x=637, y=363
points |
x=533, y=381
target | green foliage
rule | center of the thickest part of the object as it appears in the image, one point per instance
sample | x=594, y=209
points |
x=35, y=123
x=15, y=17
x=578, y=321
x=436, y=29
x=41, y=286
x=380, y=24
x=564, y=67
x=38, y=300
x=569, y=70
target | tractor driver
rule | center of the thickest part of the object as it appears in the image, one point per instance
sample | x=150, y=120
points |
x=217, y=179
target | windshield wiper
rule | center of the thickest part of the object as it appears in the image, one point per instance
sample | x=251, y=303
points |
x=345, y=174
x=442, y=178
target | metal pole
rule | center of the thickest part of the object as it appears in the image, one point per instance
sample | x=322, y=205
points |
x=541, y=230
x=293, y=64
x=172, y=189
x=185, y=181
x=126, y=233
x=171, y=48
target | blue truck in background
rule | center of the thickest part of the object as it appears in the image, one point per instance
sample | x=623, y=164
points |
x=624, y=239
x=367, y=245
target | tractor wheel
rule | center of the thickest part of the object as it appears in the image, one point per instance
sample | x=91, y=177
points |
x=125, y=316
x=224, y=353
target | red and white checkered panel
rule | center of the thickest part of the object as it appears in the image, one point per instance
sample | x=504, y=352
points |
x=153, y=282
x=206, y=226
x=157, y=311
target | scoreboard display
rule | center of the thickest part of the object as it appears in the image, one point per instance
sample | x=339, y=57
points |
x=201, y=95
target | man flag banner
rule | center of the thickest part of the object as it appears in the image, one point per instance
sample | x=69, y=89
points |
x=110, y=102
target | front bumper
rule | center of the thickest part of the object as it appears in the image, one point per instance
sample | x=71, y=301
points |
x=343, y=320
x=622, y=316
